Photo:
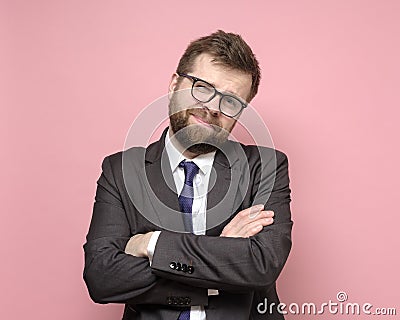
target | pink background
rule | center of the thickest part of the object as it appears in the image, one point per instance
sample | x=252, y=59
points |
x=75, y=74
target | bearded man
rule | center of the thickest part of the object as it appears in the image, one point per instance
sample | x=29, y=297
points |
x=195, y=226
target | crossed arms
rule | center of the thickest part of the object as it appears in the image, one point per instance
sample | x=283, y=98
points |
x=248, y=255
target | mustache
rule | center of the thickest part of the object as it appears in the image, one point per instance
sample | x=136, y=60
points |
x=204, y=115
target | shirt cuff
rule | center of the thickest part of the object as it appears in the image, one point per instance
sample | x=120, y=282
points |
x=213, y=292
x=152, y=245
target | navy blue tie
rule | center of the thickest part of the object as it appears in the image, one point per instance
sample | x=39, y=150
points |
x=186, y=203
x=187, y=193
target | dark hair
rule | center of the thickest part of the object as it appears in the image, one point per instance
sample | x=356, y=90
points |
x=228, y=49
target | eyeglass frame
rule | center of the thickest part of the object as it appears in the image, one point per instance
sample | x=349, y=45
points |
x=216, y=92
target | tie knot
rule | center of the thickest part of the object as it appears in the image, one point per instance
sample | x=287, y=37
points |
x=191, y=169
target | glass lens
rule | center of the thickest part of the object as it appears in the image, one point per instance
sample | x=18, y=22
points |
x=230, y=105
x=203, y=91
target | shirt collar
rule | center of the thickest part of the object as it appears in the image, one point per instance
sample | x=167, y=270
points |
x=203, y=161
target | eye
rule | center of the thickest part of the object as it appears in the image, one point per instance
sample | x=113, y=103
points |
x=203, y=87
x=230, y=101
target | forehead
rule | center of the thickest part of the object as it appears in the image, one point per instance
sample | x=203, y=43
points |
x=223, y=78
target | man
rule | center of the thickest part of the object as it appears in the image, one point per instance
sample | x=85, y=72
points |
x=195, y=226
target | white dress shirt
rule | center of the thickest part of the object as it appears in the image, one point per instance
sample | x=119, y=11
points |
x=200, y=187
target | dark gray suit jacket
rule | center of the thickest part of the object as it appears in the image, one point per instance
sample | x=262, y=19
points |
x=135, y=194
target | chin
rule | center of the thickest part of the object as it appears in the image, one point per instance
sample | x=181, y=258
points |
x=200, y=141
x=201, y=148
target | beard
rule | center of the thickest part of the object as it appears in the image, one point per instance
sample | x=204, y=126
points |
x=197, y=138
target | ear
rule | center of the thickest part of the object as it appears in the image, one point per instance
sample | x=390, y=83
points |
x=172, y=85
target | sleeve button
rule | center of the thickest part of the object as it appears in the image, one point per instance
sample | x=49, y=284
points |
x=184, y=267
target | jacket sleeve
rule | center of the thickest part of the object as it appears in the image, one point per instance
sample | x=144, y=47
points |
x=110, y=274
x=233, y=264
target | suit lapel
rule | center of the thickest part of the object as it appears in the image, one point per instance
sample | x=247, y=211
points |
x=223, y=187
x=162, y=186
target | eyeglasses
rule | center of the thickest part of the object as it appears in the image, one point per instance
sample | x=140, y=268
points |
x=203, y=91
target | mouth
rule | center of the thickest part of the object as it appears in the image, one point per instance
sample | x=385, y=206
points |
x=201, y=121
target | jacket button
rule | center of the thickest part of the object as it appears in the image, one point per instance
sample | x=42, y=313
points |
x=172, y=265
x=184, y=267
x=190, y=269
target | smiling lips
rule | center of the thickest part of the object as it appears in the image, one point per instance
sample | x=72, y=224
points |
x=201, y=121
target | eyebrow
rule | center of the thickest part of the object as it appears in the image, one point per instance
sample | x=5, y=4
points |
x=223, y=91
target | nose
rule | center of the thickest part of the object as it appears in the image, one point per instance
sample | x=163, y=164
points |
x=213, y=106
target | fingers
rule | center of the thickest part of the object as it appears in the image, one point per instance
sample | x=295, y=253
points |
x=248, y=222
x=249, y=229
x=251, y=212
x=254, y=211
x=245, y=217
x=254, y=227
x=245, y=220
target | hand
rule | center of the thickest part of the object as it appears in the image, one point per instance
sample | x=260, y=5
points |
x=137, y=245
x=248, y=222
